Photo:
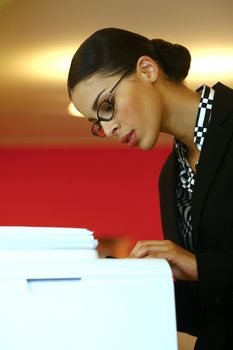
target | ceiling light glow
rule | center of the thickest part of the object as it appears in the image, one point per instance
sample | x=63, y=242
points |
x=73, y=111
x=52, y=65
x=212, y=65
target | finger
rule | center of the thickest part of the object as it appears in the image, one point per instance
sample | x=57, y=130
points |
x=157, y=242
x=146, y=249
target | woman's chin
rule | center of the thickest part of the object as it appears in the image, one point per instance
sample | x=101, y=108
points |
x=146, y=145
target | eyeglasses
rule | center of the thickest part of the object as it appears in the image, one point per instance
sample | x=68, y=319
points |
x=105, y=112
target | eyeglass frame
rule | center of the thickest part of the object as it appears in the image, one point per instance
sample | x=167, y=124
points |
x=106, y=100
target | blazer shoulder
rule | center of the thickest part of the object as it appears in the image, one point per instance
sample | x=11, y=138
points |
x=221, y=86
x=223, y=92
x=223, y=105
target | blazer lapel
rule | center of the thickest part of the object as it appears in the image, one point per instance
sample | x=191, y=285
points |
x=169, y=212
x=217, y=138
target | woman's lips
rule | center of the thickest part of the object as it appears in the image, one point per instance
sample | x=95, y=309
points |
x=130, y=139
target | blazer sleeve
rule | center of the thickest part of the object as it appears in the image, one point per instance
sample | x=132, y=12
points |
x=215, y=275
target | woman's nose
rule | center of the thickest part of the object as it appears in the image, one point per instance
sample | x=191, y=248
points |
x=110, y=128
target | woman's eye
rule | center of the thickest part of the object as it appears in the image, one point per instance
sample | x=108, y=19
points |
x=108, y=107
x=105, y=110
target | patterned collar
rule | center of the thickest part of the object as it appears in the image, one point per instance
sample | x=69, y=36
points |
x=186, y=174
x=203, y=115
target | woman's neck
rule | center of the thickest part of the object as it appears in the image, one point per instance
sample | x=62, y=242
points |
x=180, y=106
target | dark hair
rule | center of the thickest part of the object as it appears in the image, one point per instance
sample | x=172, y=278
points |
x=112, y=50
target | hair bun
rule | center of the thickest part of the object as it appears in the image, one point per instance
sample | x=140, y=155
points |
x=174, y=59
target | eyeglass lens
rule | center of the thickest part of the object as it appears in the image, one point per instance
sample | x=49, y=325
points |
x=97, y=129
x=105, y=113
x=105, y=110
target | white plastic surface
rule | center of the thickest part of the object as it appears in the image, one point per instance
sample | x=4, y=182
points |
x=56, y=295
x=97, y=304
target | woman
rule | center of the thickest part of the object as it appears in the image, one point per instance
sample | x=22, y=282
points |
x=132, y=88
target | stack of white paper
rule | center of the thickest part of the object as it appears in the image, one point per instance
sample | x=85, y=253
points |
x=46, y=242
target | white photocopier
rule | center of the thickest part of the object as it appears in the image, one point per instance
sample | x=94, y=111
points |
x=56, y=294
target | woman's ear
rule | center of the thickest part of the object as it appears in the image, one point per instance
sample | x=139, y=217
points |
x=147, y=68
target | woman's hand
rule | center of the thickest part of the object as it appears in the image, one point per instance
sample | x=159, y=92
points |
x=183, y=263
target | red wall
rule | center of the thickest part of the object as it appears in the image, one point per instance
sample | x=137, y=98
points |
x=112, y=192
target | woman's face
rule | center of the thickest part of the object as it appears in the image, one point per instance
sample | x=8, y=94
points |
x=137, y=104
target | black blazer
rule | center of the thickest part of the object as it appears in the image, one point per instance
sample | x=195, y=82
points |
x=207, y=305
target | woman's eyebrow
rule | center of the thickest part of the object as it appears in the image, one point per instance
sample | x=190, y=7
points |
x=95, y=104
